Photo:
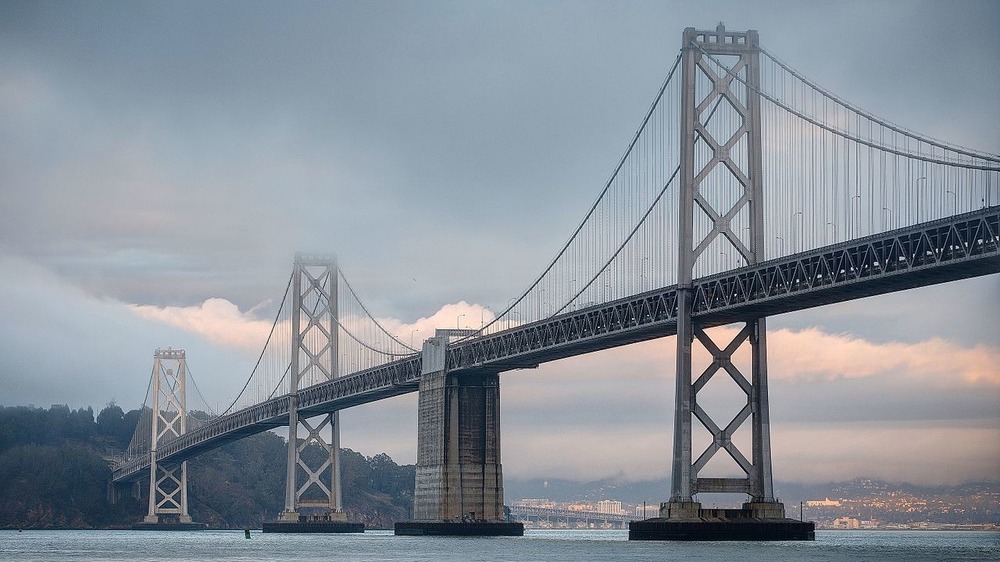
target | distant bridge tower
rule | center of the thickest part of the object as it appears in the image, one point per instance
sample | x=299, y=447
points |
x=168, y=486
x=313, y=485
x=720, y=150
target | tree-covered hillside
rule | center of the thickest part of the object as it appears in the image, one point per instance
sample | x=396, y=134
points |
x=55, y=473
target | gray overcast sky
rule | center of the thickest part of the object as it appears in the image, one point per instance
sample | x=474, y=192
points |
x=164, y=154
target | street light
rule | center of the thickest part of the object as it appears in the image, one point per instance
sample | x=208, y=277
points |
x=482, y=321
x=458, y=321
x=886, y=210
x=955, y=195
x=924, y=178
x=411, y=336
x=834, y=230
x=855, y=222
x=782, y=251
x=508, y=312
x=791, y=231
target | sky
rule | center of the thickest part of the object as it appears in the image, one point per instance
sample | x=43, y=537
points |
x=161, y=164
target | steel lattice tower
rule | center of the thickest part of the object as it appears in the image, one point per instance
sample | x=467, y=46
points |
x=727, y=151
x=168, y=485
x=313, y=360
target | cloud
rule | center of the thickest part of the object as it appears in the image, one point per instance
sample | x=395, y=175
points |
x=66, y=346
x=841, y=405
x=803, y=355
x=919, y=453
x=812, y=354
x=460, y=315
x=156, y=180
x=217, y=320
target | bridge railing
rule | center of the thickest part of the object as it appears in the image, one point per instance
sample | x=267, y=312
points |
x=963, y=246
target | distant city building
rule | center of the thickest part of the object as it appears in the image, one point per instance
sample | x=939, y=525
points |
x=846, y=523
x=613, y=507
x=823, y=503
x=535, y=502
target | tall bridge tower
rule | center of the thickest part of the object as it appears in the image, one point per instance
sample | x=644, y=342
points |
x=168, y=499
x=313, y=500
x=720, y=151
x=734, y=153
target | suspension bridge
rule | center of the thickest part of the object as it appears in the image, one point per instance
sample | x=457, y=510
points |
x=747, y=191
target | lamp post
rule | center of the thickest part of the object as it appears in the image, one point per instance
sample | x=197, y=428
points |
x=834, y=231
x=458, y=321
x=886, y=210
x=791, y=230
x=781, y=252
x=924, y=179
x=954, y=195
x=855, y=222
x=508, y=312
x=411, y=336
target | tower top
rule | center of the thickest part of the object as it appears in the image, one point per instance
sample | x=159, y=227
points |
x=721, y=41
x=169, y=353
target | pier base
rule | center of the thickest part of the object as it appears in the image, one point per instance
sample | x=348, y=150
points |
x=168, y=526
x=756, y=521
x=333, y=523
x=460, y=529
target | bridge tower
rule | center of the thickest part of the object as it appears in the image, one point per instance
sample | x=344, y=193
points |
x=459, y=480
x=720, y=150
x=168, y=499
x=313, y=500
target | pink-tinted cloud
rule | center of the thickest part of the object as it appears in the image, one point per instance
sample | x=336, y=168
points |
x=798, y=355
x=217, y=320
x=610, y=413
x=919, y=453
x=450, y=316
x=812, y=354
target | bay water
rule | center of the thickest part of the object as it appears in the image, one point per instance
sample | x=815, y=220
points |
x=535, y=545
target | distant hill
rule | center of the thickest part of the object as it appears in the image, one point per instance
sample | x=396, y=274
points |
x=54, y=473
x=659, y=490
x=969, y=503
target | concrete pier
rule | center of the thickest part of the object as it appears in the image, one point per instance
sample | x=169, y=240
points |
x=459, y=481
x=756, y=521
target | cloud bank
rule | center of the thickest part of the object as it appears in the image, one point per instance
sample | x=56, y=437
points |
x=610, y=413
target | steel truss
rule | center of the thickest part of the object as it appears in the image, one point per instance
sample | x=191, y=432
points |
x=950, y=249
x=168, y=483
x=314, y=356
x=732, y=163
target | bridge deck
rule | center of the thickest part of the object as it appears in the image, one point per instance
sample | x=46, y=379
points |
x=959, y=247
